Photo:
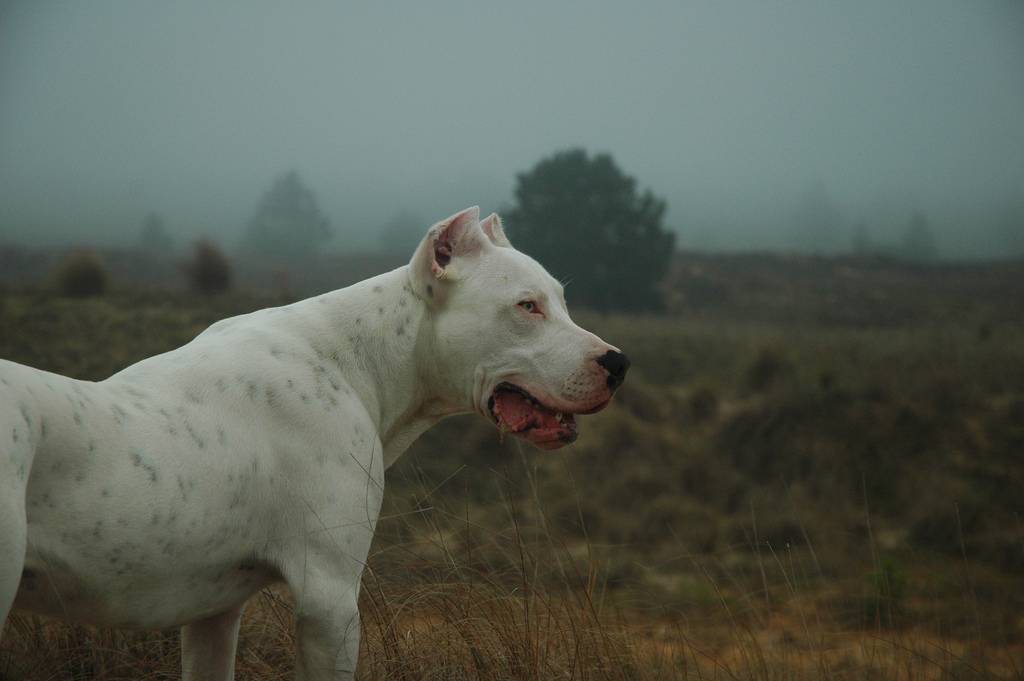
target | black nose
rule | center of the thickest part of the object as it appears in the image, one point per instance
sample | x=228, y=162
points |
x=616, y=364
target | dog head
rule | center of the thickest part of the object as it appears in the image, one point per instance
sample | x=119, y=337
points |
x=502, y=341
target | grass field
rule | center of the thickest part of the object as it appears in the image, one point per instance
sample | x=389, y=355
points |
x=771, y=496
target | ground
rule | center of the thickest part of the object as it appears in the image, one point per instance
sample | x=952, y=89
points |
x=813, y=470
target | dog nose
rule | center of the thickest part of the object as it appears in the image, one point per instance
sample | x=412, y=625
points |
x=616, y=364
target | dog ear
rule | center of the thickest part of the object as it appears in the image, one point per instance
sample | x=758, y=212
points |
x=491, y=225
x=437, y=258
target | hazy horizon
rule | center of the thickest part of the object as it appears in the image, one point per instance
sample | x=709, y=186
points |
x=739, y=114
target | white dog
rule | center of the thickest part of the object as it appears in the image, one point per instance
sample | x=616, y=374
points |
x=173, y=491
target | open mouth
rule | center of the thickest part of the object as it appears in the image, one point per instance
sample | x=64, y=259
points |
x=516, y=411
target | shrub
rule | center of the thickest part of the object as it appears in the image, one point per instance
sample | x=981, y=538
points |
x=886, y=596
x=209, y=271
x=766, y=370
x=81, y=275
x=703, y=404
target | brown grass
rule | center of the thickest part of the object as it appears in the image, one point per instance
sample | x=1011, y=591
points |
x=762, y=501
x=523, y=604
x=483, y=631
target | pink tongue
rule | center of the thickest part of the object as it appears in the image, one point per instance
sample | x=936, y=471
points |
x=518, y=413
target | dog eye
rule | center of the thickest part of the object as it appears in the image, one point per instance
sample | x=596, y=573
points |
x=530, y=306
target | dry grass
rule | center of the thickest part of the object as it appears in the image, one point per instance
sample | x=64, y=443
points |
x=763, y=501
x=524, y=604
x=483, y=631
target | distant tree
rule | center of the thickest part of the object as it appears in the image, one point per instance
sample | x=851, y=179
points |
x=402, y=233
x=861, y=242
x=818, y=221
x=209, y=271
x=1009, y=230
x=153, y=236
x=287, y=224
x=918, y=243
x=584, y=219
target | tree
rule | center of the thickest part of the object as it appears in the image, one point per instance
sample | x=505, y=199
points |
x=287, y=224
x=918, y=242
x=1009, y=230
x=583, y=218
x=818, y=221
x=402, y=233
x=861, y=242
x=153, y=237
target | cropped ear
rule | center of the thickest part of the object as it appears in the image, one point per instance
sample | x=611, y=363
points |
x=447, y=244
x=494, y=231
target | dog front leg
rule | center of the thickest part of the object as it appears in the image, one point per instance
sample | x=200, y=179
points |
x=208, y=647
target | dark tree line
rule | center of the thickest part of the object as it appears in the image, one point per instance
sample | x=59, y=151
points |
x=581, y=216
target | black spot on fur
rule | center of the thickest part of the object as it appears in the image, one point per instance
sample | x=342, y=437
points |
x=150, y=469
x=430, y=290
x=200, y=443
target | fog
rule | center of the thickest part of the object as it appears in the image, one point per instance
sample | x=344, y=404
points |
x=740, y=114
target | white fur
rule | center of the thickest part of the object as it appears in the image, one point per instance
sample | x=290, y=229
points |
x=171, y=492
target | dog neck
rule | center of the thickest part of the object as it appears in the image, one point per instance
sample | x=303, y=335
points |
x=382, y=331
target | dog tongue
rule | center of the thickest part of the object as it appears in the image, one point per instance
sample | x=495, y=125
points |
x=518, y=413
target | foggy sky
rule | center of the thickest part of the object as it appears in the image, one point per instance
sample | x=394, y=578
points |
x=730, y=110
